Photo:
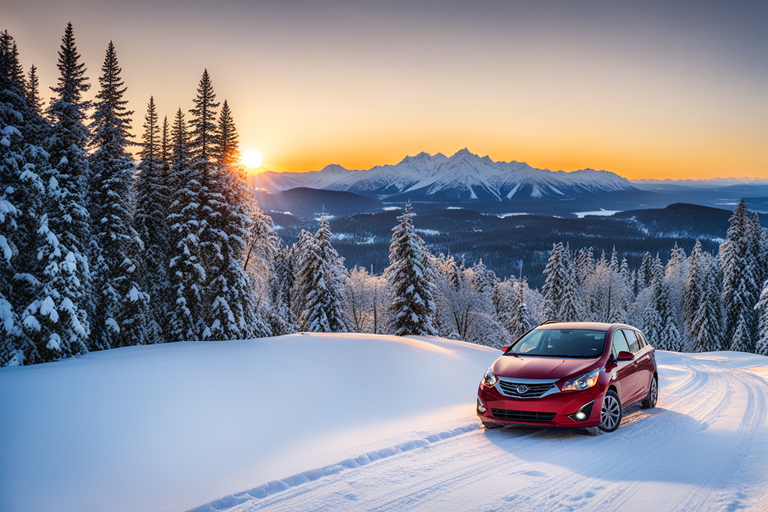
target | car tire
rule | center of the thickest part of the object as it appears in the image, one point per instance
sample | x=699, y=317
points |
x=491, y=425
x=611, y=412
x=653, y=395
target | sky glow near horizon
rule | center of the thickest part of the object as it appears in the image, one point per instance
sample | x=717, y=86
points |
x=646, y=90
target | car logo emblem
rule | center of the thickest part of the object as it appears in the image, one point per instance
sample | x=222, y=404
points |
x=522, y=389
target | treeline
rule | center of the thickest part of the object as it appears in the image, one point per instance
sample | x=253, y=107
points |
x=99, y=251
x=703, y=302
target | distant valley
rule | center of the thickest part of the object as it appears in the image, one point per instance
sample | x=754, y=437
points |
x=506, y=213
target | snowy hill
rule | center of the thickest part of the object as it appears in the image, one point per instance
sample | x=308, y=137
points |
x=461, y=177
x=360, y=422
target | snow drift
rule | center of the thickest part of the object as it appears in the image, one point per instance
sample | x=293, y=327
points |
x=172, y=426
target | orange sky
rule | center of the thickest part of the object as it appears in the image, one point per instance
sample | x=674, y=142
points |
x=646, y=91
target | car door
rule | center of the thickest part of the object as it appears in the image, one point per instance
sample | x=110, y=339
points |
x=642, y=377
x=624, y=372
x=643, y=360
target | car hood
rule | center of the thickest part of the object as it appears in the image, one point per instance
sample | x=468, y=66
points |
x=527, y=367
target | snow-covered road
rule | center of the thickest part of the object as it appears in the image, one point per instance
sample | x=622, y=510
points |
x=705, y=447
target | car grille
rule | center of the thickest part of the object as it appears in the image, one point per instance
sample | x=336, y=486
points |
x=531, y=390
x=531, y=416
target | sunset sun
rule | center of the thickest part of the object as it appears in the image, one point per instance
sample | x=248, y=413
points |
x=251, y=159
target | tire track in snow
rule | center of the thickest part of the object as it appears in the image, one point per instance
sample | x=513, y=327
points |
x=555, y=470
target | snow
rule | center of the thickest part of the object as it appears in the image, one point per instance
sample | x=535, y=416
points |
x=602, y=212
x=5, y=249
x=48, y=308
x=360, y=422
x=391, y=208
x=428, y=232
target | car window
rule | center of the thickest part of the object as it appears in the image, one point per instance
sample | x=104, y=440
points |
x=641, y=337
x=619, y=343
x=569, y=343
x=529, y=343
x=634, y=342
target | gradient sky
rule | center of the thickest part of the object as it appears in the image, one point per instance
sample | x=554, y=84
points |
x=645, y=89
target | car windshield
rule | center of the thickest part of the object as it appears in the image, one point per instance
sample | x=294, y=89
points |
x=566, y=343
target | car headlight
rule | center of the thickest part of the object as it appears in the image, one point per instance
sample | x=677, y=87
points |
x=489, y=379
x=583, y=382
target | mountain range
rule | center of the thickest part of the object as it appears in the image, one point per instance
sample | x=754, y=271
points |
x=463, y=177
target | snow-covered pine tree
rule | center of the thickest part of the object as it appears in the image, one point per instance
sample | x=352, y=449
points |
x=484, y=279
x=186, y=269
x=324, y=276
x=57, y=319
x=660, y=326
x=585, y=264
x=706, y=331
x=122, y=315
x=508, y=301
x=21, y=192
x=762, y=307
x=739, y=284
x=301, y=253
x=560, y=287
x=757, y=254
x=675, y=274
x=282, y=319
x=692, y=292
x=410, y=281
x=150, y=220
x=645, y=274
x=228, y=213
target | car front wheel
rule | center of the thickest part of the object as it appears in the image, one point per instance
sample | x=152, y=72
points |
x=611, y=413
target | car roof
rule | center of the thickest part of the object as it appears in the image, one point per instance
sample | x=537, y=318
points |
x=594, y=326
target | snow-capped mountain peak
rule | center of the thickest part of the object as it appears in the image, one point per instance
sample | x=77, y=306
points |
x=464, y=176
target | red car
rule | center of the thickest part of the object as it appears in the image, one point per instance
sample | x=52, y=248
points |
x=569, y=374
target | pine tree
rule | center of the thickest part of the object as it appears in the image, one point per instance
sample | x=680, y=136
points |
x=644, y=275
x=165, y=143
x=739, y=284
x=10, y=65
x=484, y=278
x=150, y=219
x=281, y=282
x=762, y=307
x=692, y=292
x=706, y=329
x=57, y=319
x=226, y=152
x=232, y=314
x=204, y=139
x=321, y=276
x=188, y=276
x=560, y=287
x=21, y=192
x=33, y=91
x=121, y=306
x=410, y=280
x=660, y=327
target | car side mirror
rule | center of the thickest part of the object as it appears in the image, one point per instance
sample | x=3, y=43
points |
x=505, y=348
x=625, y=356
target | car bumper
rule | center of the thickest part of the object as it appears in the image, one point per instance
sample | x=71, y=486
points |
x=562, y=405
